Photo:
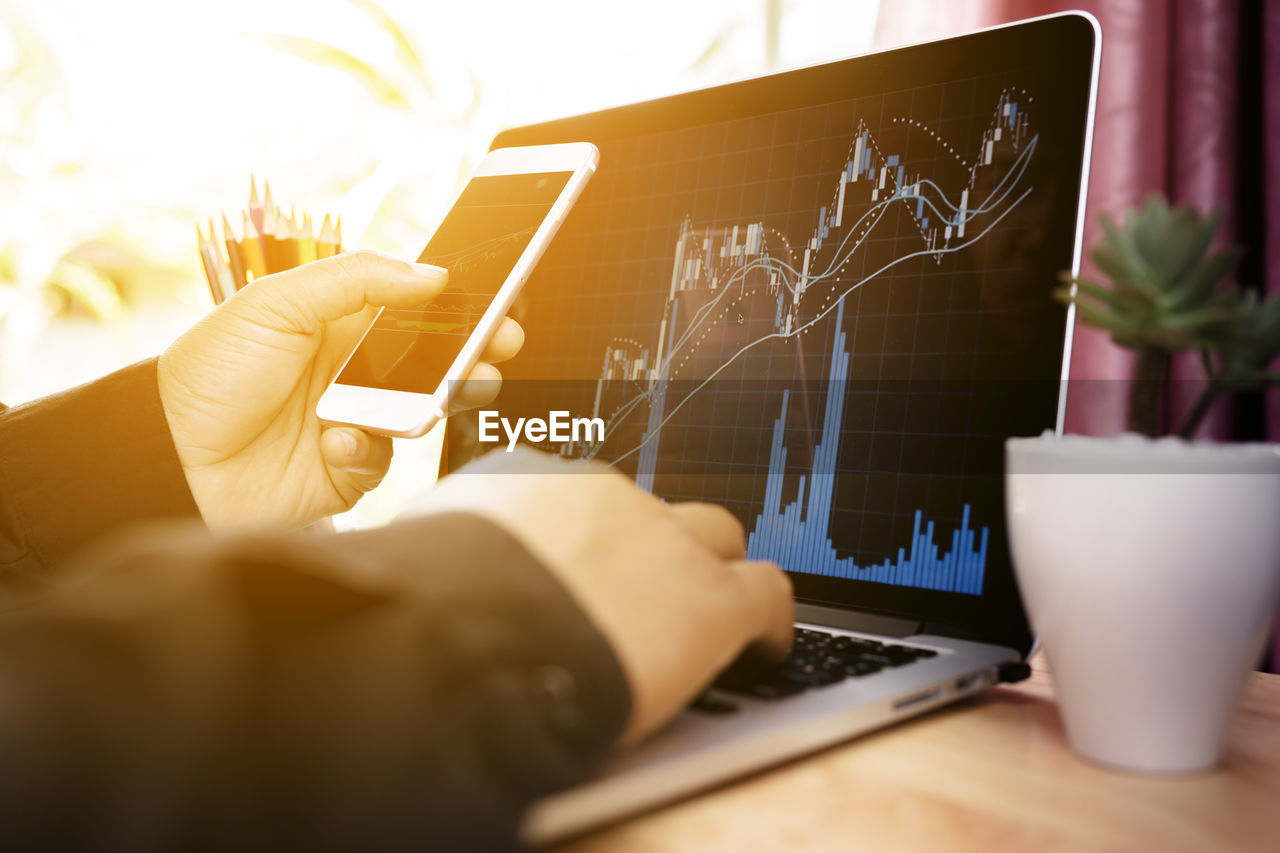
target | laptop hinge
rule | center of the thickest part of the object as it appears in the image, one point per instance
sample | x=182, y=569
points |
x=852, y=620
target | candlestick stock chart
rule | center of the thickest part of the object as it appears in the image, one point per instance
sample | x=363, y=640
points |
x=801, y=341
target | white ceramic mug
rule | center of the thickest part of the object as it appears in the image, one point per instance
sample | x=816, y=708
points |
x=1150, y=571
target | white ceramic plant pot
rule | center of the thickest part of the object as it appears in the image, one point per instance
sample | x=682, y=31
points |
x=1150, y=572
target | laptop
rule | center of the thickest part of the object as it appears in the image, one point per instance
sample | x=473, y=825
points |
x=821, y=298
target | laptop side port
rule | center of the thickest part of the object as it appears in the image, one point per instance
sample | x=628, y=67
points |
x=917, y=699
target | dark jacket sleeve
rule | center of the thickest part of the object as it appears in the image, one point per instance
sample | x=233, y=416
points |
x=80, y=464
x=407, y=688
x=410, y=688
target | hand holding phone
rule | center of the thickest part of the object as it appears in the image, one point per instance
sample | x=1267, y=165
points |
x=397, y=381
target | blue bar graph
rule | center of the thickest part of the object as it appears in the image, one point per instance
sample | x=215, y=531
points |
x=796, y=536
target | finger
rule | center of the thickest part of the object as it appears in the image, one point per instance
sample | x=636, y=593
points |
x=362, y=459
x=505, y=343
x=304, y=299
x=771, y=607
x=715, y=528
x=480, y=388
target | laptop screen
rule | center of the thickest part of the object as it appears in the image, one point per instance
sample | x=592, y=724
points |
x=821, y=299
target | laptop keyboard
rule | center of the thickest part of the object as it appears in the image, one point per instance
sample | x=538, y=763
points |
x=817, y=659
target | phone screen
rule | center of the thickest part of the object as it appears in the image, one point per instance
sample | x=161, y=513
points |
x=479, y=243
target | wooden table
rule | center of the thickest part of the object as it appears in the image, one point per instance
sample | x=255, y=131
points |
x=991, y=773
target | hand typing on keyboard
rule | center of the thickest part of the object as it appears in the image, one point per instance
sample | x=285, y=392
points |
x=817, y=658
x=668, y=585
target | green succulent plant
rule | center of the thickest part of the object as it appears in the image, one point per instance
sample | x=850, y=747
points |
x=1169, y=293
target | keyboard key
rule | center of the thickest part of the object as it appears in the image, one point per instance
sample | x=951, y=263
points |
x=817, y=659
x=816, y=678
x=773, y=689
x=884, y=659
x=857, y=669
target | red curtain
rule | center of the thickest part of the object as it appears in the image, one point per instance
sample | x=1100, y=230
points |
x=1188, y=106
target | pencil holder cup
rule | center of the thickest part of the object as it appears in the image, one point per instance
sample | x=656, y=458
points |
x=1150, y=571
x=270, y=242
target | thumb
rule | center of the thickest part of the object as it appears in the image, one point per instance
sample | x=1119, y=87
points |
x=305, y=298
x=355, y=458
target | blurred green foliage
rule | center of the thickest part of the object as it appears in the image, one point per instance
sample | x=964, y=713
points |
x=53, y=261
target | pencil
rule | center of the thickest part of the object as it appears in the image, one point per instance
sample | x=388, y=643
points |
x=270, y=248
x=225, y=284
x=286, y=248
x=251, y=251
x=255, y=206
x=233, y=255
x=268, y=206
x=326, y=245
x=337, y=236
x=266, y=230
x=305, y=241
x=225, y=288
x=220, y=277
x=209, y=273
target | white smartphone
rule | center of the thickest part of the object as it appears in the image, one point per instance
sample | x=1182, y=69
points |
x=397, y=380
